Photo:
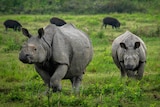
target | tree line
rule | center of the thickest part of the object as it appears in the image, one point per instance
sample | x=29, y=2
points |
x=75, y=6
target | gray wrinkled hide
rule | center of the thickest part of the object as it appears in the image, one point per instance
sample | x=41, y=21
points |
x=129, y=39
x=69, y=51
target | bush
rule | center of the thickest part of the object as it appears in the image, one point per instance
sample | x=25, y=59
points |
x=147, y=31
x=72, y=6
x=121, y=6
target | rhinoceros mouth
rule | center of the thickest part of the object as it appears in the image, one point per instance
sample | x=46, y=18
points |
x=26, y=62
x=30, y=62
x=129, y=67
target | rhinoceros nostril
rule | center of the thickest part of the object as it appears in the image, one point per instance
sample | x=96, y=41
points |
x=23, y=57
x=129, y=67
x=27, y=55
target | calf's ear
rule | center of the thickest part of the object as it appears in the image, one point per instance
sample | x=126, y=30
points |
x=137, y=45
x=26, y=33
x=123, y=45
x=40, y=32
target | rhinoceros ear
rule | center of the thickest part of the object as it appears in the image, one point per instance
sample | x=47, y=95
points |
x=123, y=45
x=40, y=32
x=26, y=33
x=137, y=45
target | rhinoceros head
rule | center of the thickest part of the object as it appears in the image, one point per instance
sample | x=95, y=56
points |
x=118, y=24
x=33, y=51
x=131, y=56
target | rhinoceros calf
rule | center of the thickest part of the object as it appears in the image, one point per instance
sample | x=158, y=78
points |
x=58, y=53
x=129, y=54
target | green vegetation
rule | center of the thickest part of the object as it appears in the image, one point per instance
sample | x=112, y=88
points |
x=21, y=86
x=78, y=6
x=102, y=86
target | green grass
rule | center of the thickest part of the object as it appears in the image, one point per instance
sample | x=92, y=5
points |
x=102, y=86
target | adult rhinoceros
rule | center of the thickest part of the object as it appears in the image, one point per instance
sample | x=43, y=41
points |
x=129, y=54
x=58, y=53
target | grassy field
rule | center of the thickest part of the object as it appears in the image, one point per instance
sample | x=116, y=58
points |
x=21, y=86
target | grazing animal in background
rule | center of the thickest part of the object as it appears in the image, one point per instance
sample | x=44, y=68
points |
x=129, y=54
x=111, y=21
x=57, y=21
x=12, y=24
x=58, y=53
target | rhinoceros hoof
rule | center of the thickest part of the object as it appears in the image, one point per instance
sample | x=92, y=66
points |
x=56, y=89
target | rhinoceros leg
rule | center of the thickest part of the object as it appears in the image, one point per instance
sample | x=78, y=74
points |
x=76, y=81
x=57, y=77
x=105, y=26
x=123, y=72
x=140, y=71
x=44, y=75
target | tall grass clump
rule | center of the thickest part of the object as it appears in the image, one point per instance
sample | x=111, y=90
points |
x=147, y=31
x=100, y=34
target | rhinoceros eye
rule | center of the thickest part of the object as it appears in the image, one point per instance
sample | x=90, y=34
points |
x=35, y=49
x=32, y=47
